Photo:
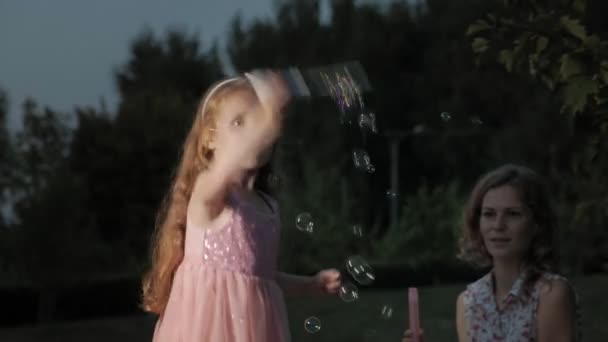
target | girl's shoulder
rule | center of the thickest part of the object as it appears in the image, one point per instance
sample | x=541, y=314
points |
x=270, y=201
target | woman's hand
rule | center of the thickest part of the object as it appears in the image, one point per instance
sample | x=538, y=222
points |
x=409, y=337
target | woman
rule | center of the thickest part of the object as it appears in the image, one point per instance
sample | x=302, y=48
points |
x=509, y=225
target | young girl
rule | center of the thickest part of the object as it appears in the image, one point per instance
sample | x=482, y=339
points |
x=509, y=225
x=213, y=275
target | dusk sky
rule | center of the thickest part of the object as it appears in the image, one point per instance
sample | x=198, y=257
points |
x=62, y=53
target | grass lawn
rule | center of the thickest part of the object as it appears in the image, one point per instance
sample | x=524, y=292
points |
x=353, y=322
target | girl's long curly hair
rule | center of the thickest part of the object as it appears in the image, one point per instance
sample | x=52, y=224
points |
x=167, y=245
x=542, y=253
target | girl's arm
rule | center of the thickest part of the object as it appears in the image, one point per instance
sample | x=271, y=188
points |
x=324, y=282
x=461, y=324
x=217, y=182
x=556, y=321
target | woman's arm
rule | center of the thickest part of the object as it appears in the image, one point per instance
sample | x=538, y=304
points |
x=461, y=324
x=556, y=317
x=324, y=282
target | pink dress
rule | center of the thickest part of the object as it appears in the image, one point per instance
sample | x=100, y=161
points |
x=224, y=289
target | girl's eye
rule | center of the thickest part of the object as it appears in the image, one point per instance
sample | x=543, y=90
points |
x=237, y=122
x=515, y=213
x=487, y=214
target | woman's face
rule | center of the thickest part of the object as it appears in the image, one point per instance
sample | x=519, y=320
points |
x=505, y=223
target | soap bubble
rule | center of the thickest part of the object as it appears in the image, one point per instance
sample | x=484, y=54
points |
x=348, y=292
x=305, y=223
x=274, y=181
x=368, y=121
x=360, y=270
x=312, y=325
x=387, y=312
x=357, y=230
x=362, y=161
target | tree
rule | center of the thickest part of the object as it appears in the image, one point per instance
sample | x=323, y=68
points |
x=562, y=45
x=126, y=160
x=5, y=156
x=552, y=45
x=55, y=245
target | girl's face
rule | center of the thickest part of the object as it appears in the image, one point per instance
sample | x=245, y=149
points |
x=243, y=133
x=505, y=223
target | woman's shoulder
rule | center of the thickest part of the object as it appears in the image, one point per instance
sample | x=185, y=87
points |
x=558, y=301
x=480, y=284
x=477, y=290
x=555, y=286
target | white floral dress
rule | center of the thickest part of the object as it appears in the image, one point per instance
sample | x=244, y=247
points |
x=515, y=322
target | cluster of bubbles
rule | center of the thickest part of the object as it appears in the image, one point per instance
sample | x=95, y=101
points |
x=346, y=91
x=344, y=83
x=343, y=89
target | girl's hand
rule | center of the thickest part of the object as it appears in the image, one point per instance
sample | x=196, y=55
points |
x=328, y=281
x=271, y=89
x=408, y=336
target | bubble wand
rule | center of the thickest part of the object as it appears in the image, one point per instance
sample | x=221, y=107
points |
x=414, y=314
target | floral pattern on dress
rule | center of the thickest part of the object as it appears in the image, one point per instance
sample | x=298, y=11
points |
x=515, y=321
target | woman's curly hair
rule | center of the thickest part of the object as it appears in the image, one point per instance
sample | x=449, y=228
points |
x=541, y=255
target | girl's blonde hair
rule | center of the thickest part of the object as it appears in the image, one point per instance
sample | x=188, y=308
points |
x=167, y=245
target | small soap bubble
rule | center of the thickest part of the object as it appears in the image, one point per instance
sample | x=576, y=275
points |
x=362, y=161
x=419, y=129
x=345, y=118
x=357, y=230
x=274, y=181
x=445, y=116
x=476, y=120
x=305, y=223
x=312, y=325
x=348, y=292
x=360, y=270
x=368, y=121
x=387, y=312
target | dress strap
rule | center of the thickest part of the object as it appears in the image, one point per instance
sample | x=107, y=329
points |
x=268, y=200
